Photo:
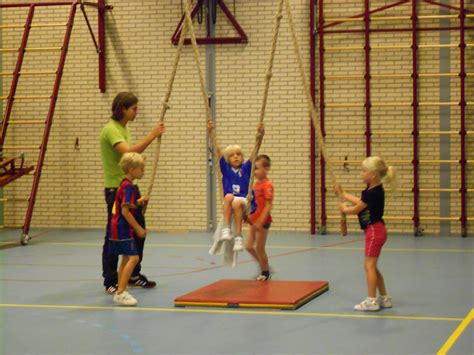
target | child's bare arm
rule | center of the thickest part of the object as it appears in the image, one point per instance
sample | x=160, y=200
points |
x=359, y=207
x=142, y=200
x=141, y=232
x=351, y=198
x=265, y=213
x=260, y=134
x=212, y=135
x=348, y=197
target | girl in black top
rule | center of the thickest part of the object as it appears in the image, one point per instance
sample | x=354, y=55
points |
x=369, y=208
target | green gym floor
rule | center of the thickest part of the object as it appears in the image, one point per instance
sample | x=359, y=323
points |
x=52, y=300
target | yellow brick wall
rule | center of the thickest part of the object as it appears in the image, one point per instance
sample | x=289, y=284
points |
x=139, y=59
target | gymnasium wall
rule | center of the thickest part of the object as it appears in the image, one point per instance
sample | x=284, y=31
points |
x=431, y=118
x=139, y=59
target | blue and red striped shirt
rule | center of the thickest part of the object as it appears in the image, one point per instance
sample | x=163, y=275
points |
x=127, y=194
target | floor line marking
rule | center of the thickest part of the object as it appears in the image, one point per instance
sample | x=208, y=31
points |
x=223, y=311
x=456, y=334
x=296, y=247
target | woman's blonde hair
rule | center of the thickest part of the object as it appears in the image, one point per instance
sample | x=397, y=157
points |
x=233, y=148
x=387, y=173
x=131, y=161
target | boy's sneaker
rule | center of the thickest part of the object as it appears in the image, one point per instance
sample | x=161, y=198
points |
x=238, y=243
x=370, y=305
x=141, y=281
x=385, y=302
x=110, y=290
x=225, y=234
x=263, y=277
x=125, y=299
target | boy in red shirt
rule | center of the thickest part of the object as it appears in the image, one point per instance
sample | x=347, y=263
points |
x=261, y=218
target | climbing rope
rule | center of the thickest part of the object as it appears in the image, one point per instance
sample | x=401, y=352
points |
x=268, y=78
x=165, y=104
x=313, y=114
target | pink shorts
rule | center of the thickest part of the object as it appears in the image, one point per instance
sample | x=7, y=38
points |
x=375, y=237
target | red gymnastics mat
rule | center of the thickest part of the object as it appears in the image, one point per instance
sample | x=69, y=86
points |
x=254, y=294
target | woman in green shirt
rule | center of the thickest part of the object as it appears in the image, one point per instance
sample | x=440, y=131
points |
x=115, y=140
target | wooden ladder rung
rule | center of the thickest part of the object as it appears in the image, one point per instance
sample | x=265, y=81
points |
x=26, y=122
x=20, y=147
x=31, y=97
x=37, y=25
x=38, y=72
x=5, y=199
x=32, y=49
x=30, y=72
x=43, y=49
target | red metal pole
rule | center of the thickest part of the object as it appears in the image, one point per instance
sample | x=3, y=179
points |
x=101, y=20
x=49, y=122
x=16, y=75
x=368, y=105
x=312, y=154
x=414, y=48
x=230, y=16
x=462, y=132
x=322, y=112
x=177, y=32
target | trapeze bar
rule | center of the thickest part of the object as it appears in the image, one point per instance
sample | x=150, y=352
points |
x=26, y=122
